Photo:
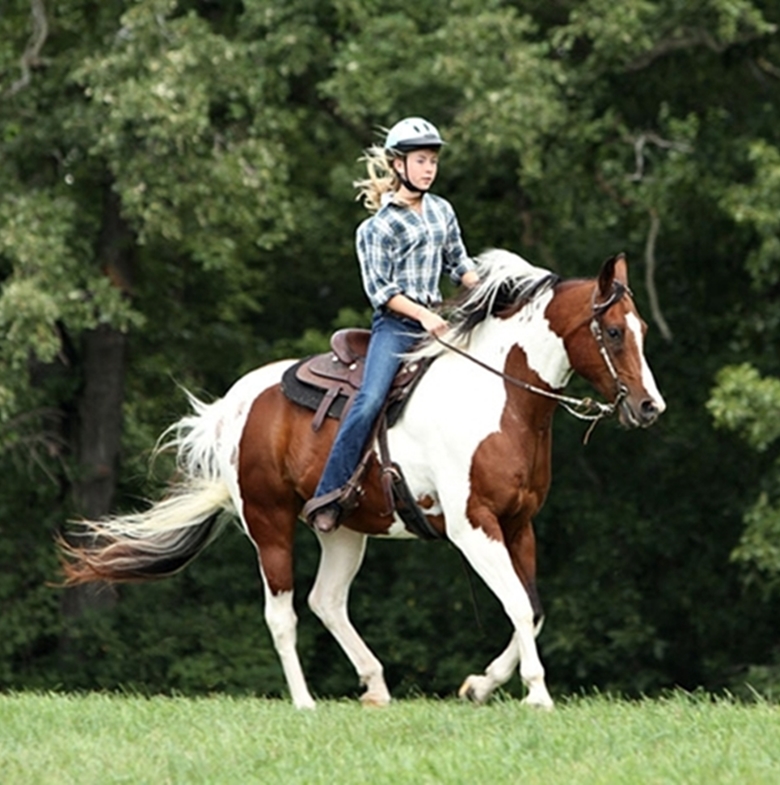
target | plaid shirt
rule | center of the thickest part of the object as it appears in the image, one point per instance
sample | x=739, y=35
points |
x=402, y=251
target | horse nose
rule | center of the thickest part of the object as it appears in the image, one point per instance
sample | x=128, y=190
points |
x=649, y=411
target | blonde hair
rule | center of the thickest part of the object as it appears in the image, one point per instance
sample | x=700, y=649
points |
x=382, y=179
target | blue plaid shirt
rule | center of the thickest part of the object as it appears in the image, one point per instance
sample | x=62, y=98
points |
x=402, y=251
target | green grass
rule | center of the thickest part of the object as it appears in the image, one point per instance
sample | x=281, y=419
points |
x=99, y=738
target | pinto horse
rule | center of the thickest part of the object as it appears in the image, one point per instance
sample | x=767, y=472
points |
x=473, y=441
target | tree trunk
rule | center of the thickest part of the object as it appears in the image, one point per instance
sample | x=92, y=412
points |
x=98, y=429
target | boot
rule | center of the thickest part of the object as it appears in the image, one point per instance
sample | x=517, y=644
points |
x=322, y=513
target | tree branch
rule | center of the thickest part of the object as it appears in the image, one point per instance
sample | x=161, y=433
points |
x=32, y=54
x=688, y=38
x=767, y=67
x=652, y=292
x=639, y=146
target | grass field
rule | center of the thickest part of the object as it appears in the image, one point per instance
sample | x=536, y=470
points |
x=98, y=738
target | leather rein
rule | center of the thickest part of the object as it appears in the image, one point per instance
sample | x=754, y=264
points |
x=581, y=408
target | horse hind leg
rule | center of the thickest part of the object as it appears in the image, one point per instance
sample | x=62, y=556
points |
x=282, y=622
x=273, y=537
x=340, y=560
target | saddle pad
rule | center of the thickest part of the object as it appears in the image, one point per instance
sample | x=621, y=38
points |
x=306, y=395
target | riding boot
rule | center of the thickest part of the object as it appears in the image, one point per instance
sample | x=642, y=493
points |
x=322, y=513
x=325, y=519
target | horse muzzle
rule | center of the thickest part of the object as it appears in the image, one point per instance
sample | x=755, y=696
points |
x=639, y=414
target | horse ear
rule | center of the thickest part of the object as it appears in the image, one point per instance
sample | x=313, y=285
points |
x=613, y=269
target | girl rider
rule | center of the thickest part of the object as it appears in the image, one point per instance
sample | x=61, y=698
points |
x=412, y=237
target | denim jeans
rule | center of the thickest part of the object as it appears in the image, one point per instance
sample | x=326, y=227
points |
x=391, y=336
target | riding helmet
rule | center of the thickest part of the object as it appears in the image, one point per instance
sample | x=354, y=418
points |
x=412, y=133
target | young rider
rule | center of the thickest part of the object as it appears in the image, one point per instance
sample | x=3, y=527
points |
x=412, y=238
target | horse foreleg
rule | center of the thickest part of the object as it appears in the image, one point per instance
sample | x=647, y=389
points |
x=340, y=560
x=492, y=562
x=522, y=550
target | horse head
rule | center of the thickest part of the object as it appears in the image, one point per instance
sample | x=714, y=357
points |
x=606, y=346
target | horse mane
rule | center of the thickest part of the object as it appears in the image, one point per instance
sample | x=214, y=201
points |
x=506, y=282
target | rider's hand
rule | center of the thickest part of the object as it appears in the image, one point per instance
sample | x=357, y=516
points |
x=432, y=322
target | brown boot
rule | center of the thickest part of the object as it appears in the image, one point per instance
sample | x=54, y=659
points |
x=326, y=519
x=322, y=513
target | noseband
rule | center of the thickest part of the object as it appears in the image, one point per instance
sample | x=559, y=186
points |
x=581, y=408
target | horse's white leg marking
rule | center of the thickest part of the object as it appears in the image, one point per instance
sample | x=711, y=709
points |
x=341, y=557
x=491, y=561
x=500, y=671
x=282, y=622
x=648, y=380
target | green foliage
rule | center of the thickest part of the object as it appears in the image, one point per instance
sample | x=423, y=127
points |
x=757, y=204
x=759, y=546
x=30, y=620
x=189, y=137
x=748, y=404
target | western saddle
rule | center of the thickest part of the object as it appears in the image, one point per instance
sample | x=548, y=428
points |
x=327, y=384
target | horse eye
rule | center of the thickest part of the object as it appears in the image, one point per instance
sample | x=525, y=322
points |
x=614, y=333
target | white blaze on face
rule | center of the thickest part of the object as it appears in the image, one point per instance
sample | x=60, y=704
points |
x=648, y=380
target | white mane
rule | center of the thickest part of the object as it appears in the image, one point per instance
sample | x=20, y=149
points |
x=505, y=278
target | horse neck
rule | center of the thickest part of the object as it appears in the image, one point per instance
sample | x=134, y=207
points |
x=542, y=358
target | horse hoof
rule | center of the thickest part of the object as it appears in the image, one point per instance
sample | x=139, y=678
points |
x=374, y=701
x=470, y=690
x=539, y=705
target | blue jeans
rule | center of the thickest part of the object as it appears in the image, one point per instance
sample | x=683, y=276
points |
x=391, y=336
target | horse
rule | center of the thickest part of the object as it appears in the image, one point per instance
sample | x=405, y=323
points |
x=474, y=442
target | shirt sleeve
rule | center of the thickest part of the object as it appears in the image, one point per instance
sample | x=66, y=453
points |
x=377, y=254
x=455, y=259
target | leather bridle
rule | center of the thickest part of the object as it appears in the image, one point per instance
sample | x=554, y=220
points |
x=581, y=408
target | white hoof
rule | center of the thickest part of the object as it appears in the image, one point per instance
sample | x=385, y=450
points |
x=539, y=699
x=374, y=701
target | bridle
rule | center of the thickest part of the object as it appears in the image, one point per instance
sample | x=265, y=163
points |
x=599, y=309
x=581, y=408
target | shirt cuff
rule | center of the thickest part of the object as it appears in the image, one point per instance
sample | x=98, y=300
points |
x=381, y=297
x=463, y=267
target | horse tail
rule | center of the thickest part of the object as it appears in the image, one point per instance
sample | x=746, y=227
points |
x=172, y=532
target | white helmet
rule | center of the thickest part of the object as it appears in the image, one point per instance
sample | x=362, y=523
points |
x=412, y=133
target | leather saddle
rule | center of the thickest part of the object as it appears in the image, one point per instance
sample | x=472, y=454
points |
x=327, y=383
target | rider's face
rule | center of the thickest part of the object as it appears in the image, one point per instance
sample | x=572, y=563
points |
x=421, y=167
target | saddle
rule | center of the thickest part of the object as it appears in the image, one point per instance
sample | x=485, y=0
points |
x=327, y=383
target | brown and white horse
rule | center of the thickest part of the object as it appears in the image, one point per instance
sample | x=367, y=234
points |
x=473, y=442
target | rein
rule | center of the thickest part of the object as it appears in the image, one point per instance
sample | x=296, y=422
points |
x=581, y=408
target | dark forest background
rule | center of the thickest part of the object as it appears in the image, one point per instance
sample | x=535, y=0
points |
x=176, y=208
